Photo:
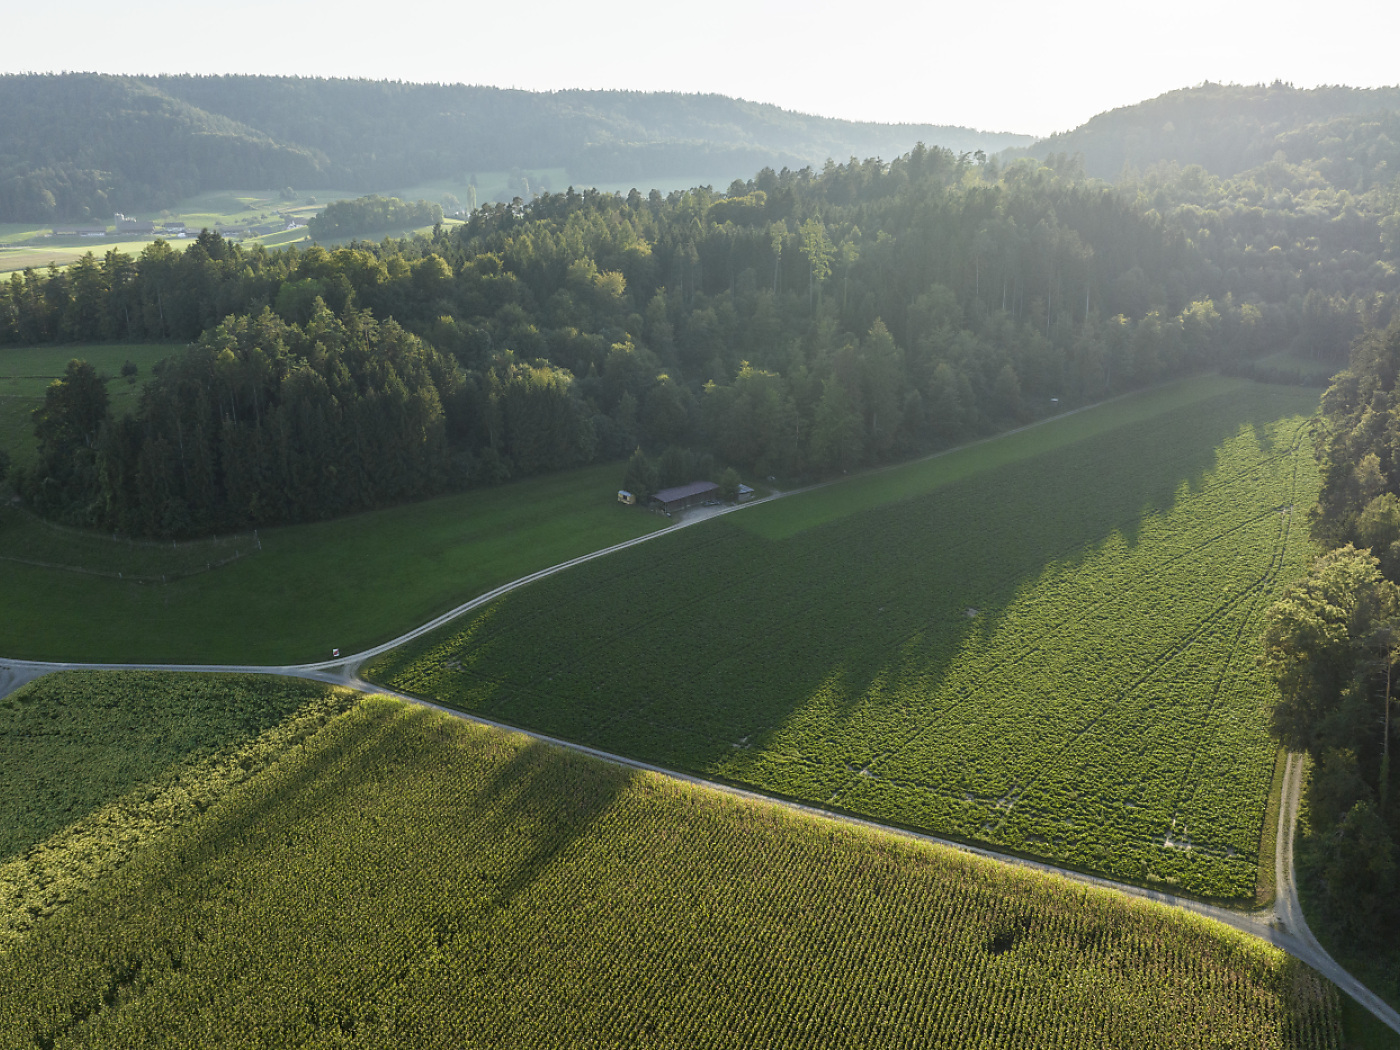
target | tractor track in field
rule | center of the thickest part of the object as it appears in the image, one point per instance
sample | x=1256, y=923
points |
x=1282, y=925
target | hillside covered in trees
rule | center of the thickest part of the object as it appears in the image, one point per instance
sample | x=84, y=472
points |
x=83, y=145
x=1351, y=135
x=1332, y=645
x=800, y=324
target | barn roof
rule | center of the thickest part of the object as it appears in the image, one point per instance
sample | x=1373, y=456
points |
x=695, y=488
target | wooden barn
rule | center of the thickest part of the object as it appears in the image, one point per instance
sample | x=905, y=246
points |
x=683, y=496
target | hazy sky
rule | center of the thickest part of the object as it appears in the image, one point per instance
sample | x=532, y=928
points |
x=1033, y=67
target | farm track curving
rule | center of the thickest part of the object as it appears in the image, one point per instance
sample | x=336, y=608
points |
x=1283, y=925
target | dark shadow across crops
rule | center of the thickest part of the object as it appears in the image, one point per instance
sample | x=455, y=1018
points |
x=700, y=650
x=71, y=743
x=404, y=879
x=608, y=612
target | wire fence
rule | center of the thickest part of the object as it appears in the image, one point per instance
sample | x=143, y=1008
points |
x=27, y=539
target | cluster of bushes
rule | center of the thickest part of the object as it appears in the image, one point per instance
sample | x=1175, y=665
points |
x=372, y=214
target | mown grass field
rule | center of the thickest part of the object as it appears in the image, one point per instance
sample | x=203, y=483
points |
x=26, y=372
x=301, y=590
x=64, y=251
x=1307, y=367
x=390, y=876
x=1050, y=650
x=30, y=540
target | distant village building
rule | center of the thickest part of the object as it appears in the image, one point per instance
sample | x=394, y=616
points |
x=745, y=493
x=683, y=496
x=623, y=496
x=134, y=227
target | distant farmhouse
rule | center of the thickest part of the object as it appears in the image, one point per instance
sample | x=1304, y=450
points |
x=125, y=229
x=682, y=496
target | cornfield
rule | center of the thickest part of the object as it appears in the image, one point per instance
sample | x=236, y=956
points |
x=400, y=878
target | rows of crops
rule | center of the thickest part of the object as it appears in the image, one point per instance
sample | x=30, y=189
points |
x=95, y=766
x=404, y=879
x=1055, y=656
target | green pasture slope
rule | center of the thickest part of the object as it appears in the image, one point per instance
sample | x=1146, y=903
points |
x=288, y=594
x=1044, y=642
x=26, y=372
x=334, y=873
x=294, y=593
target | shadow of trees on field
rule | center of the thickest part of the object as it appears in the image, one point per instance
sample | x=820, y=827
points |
x=542, y=802
x=828, y=665
x=687, y=649
x=394, y=834
x=75, y=741
x=526, y=809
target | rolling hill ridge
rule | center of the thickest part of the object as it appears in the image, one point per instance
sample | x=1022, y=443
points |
x=81, y=145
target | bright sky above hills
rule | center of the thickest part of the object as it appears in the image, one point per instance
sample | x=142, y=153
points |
x=1013, y=65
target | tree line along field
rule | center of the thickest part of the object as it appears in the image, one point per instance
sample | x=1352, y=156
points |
x=313, y=871
x=1054, y=655
x=353, y=582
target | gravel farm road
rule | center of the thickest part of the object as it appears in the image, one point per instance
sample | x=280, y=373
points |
x=1283, y=925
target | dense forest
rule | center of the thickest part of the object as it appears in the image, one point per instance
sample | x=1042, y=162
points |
x=78, y=146
x=799, y=324
x=371, y=214
x=1333, y=646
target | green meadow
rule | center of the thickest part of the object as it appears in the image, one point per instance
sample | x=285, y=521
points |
x=26, y=372
x=295, y=593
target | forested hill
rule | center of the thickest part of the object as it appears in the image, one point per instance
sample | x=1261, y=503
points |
x=82, y=145
x=76, y=146
x=800, y=324
x=1352, y=134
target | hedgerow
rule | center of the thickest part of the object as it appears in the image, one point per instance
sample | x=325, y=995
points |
x=404, y=879
x=1055, y=656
